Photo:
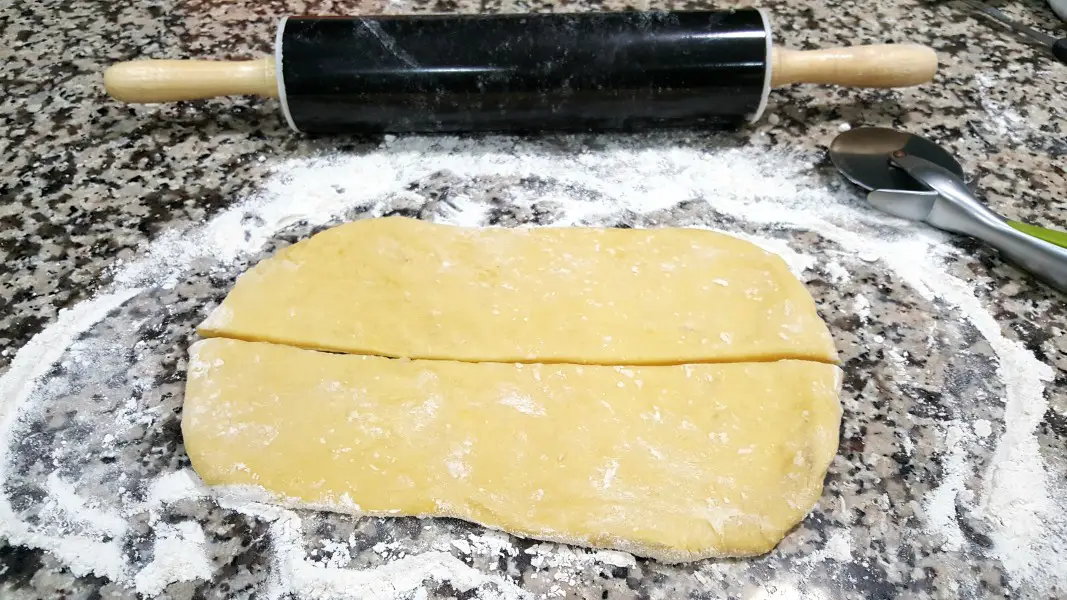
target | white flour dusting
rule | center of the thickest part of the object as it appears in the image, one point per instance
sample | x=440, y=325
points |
x=172, y=487
x=588, y=186
x=1001, y=118
x=524, y=404
x=862, y=306
x=82, y=554
x=296, y=574
x=178, y=554
x=837, y=273
x=939, y=506
x=838, y=547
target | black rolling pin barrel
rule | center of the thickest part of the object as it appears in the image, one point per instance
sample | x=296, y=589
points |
x=463, y=73
x=513, y=72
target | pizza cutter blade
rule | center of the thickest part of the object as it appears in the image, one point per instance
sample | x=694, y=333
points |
x=909, y=176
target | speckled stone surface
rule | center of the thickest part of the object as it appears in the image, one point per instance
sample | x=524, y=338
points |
x=86, y=182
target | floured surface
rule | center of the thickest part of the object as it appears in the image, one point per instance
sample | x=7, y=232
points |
x=948, y=480
x=673, y=462
x=401, y=287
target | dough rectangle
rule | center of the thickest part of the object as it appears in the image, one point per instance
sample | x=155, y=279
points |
x=673, y=462
x=405, y=288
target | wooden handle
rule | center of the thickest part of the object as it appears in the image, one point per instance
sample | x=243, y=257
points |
x=149, y=81
x=881, y=66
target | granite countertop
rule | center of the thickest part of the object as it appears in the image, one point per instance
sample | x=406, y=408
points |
x=87, y=184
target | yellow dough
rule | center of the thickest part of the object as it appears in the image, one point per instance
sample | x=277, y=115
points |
x=665, y=392
x=673, y=462
x=405, y=288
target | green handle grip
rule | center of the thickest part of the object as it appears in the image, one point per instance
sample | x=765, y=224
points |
x=1051, y=236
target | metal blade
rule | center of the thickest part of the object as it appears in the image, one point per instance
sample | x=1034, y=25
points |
x=862, y=156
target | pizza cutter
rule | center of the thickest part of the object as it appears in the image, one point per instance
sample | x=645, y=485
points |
x=909, y=176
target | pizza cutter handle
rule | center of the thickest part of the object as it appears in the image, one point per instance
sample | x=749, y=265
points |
x=1042, y=258
x=874, y=66
x=958, y=210
x=150, y=81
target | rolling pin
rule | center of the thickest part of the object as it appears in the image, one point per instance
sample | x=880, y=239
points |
x=521, y=72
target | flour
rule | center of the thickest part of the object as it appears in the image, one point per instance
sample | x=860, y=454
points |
x=837, y=273
x=939, y=506
x=838, y=547
x=561, y=183
x=178, y=554
x=609, y=472
x=64, y=503
x=524, y=404
x=172, y=487
x=82, y=554
x=296, y=575
x=1001, y=118
x=862, y=306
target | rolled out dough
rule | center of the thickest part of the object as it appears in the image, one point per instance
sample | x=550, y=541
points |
x=405, y=288
x=671, y=462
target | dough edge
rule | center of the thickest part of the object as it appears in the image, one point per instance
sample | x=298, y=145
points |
x=229, y=494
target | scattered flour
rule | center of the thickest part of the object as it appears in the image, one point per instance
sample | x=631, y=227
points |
x=838, y=547
x=838, y=274
x=939, y=505
x=178, y=554
x=1001, y=117
x=175, y=486
x=609, y=471
x=767, y=188
x=82, y=554
x=63, y=502
x=524, y=404
x=862, y=306
x=296, y=576
x=571, y=565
